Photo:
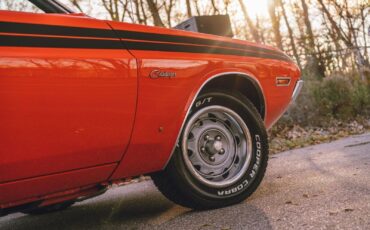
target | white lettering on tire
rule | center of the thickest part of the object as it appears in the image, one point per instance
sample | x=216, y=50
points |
x=256, y=165
x=234, y=189
x=203, y=101
x=253, y=173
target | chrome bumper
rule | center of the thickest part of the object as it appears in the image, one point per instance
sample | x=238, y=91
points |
x=297, y=89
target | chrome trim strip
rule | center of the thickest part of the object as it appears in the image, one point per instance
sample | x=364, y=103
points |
x=297, y=89
x=200, y=89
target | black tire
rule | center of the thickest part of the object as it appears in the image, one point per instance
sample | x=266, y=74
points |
x=49, y=208
x=179, y=185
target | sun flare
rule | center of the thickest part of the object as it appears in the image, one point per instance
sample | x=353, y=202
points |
x=257, y=7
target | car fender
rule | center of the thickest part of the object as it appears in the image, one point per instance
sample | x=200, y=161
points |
x=136, y=162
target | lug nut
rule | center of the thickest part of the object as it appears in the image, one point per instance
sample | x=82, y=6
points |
x=222, y=151
x=218, y=138
x=202, y=149
x=206, y=137
x=212, y=158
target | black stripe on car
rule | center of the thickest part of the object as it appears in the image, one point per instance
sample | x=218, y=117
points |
x=27, y=28
x=53, y=42
x=191, y=41
x=197, y=49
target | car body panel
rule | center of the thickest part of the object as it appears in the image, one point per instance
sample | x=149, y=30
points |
x=62, y=108
x=163, y=103
x=28, y=190
x=77, y=101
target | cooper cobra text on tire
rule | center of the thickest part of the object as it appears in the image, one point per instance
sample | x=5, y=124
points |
x=221, y=156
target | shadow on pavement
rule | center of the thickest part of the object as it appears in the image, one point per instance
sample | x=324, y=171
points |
x=139, y=207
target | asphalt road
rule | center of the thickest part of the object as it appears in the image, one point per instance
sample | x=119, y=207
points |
x=325, y=186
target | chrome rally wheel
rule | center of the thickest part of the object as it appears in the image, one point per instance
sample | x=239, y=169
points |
x=221, y=156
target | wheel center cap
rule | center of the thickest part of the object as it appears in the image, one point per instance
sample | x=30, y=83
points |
x=217, y=145
x=214, y=147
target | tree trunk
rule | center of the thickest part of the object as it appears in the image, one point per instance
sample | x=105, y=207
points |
x=110, y=7
x=251, y=26
x=215, y=9
x=77, y=5
x=143, y=11
x=155, y=13
x=291, y=36
x=275, y=21
x=188, y=9
x=317, y=63
x=260, y=31
x=197, y=7
x=168, y=9
x=363, y=22
x=361, y=63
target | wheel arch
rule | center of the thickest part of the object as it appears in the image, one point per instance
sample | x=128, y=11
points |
x=240, y=82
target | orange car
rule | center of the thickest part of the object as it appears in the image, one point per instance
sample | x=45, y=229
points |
x=85, y=103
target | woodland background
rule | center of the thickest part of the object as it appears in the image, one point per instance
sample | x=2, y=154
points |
x=328, y=39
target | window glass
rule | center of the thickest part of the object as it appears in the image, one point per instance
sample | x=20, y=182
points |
x=19, y=5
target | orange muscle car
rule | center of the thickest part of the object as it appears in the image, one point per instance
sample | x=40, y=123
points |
x=85, y=103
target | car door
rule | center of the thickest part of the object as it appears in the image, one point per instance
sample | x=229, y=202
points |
x=67, y=95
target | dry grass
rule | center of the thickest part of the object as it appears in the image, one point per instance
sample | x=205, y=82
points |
x=283, y=137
